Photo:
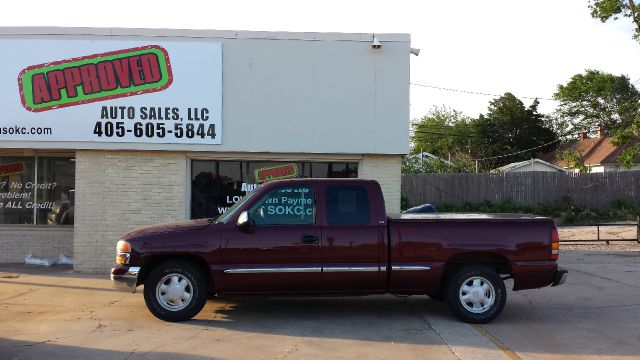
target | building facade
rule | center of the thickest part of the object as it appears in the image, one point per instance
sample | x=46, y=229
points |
x=106, y=130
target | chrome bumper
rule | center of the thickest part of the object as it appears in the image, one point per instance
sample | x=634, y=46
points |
x=560, y=278
x=126, y=282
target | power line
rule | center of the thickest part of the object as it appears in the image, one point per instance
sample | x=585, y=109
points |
x=444, y=134
x=476, y=92
x=491, y=157
x=517, y=152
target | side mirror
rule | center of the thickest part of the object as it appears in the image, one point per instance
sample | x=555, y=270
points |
x=244, y=222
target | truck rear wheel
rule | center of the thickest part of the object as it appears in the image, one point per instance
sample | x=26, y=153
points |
x=175, y=291
x=476, y=294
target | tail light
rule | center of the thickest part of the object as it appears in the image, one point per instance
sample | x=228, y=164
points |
x=555, y=244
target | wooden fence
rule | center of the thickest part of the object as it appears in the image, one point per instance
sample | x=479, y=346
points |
x=522, y=188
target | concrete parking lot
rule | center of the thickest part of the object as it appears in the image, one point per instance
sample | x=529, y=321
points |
x=54, y=313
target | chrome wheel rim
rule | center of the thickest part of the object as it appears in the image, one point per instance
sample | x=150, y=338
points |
x=174, y=292
x=477, y=295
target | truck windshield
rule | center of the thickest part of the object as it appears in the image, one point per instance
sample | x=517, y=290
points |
x=224, y=217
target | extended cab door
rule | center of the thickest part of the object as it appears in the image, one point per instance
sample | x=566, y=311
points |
x=352, y=238
x=281, y=252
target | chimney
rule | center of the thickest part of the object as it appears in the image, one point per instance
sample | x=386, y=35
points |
x=582, y=136
x=601, y=132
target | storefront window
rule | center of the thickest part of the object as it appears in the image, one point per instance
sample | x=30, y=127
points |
x=36, y=190
x=217, y=185
x=56, y=193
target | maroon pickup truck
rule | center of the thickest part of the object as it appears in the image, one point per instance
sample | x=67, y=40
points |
x=333, y=237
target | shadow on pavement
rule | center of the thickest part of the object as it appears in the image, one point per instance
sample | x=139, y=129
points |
x=14, y=349
x=369, y=318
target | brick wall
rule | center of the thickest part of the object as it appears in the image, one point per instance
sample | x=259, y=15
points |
x=117, y=191
x=386, y=170
x=42, y=241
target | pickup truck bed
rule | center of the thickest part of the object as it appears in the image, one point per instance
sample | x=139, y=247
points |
x=518, y=243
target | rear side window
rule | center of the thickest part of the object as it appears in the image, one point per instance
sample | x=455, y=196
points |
x=347, y=205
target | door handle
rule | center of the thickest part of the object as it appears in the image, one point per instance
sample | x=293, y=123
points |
x=310, y=239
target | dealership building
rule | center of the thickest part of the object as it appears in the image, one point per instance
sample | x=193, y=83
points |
x=106, y=130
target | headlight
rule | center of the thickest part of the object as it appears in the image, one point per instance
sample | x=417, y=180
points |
x=123, y=249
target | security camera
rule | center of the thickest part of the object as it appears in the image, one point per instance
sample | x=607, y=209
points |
x=376, y=43
x=415, y=51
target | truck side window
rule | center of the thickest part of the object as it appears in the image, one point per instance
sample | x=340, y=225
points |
x=288, y=206
x=347, y=205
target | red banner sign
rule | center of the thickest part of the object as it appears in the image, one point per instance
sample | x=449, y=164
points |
x=277, y=172
x=13, y=168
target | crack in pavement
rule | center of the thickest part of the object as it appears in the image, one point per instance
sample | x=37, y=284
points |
x=602, y=277
x=20, y=294
x=574, y=308
x=424, y=318
x=290, y=350
x=100, y=326
x=131, y=353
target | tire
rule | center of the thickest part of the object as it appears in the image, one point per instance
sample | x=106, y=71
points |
x=476, y=294
x=175, y=291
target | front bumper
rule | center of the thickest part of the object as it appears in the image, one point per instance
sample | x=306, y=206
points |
x=125, y=278
x=560, y=277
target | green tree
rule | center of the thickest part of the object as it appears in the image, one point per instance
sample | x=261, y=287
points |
x=604, y=10
x=441, y=132
x=509, y=127
x=460, y=163
x=595, y=98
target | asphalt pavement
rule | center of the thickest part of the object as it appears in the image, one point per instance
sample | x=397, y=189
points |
x=54, y=313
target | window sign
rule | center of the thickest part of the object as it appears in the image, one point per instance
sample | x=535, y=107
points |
x=289, y=206
x=217, y=185
x=12, y=169
x=17, y=188
x=36, y=190
x=276, y=172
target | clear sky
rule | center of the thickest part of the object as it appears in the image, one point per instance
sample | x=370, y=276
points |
x=490, y=46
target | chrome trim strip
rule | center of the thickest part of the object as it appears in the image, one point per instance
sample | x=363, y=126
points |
x=350, y=268
x=273, y=270
x=409, y=268
x=318, y=269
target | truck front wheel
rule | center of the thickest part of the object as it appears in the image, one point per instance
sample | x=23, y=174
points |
x=476, y=294
x=175, y=291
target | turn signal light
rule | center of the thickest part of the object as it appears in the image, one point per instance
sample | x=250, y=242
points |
x=122, y=259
